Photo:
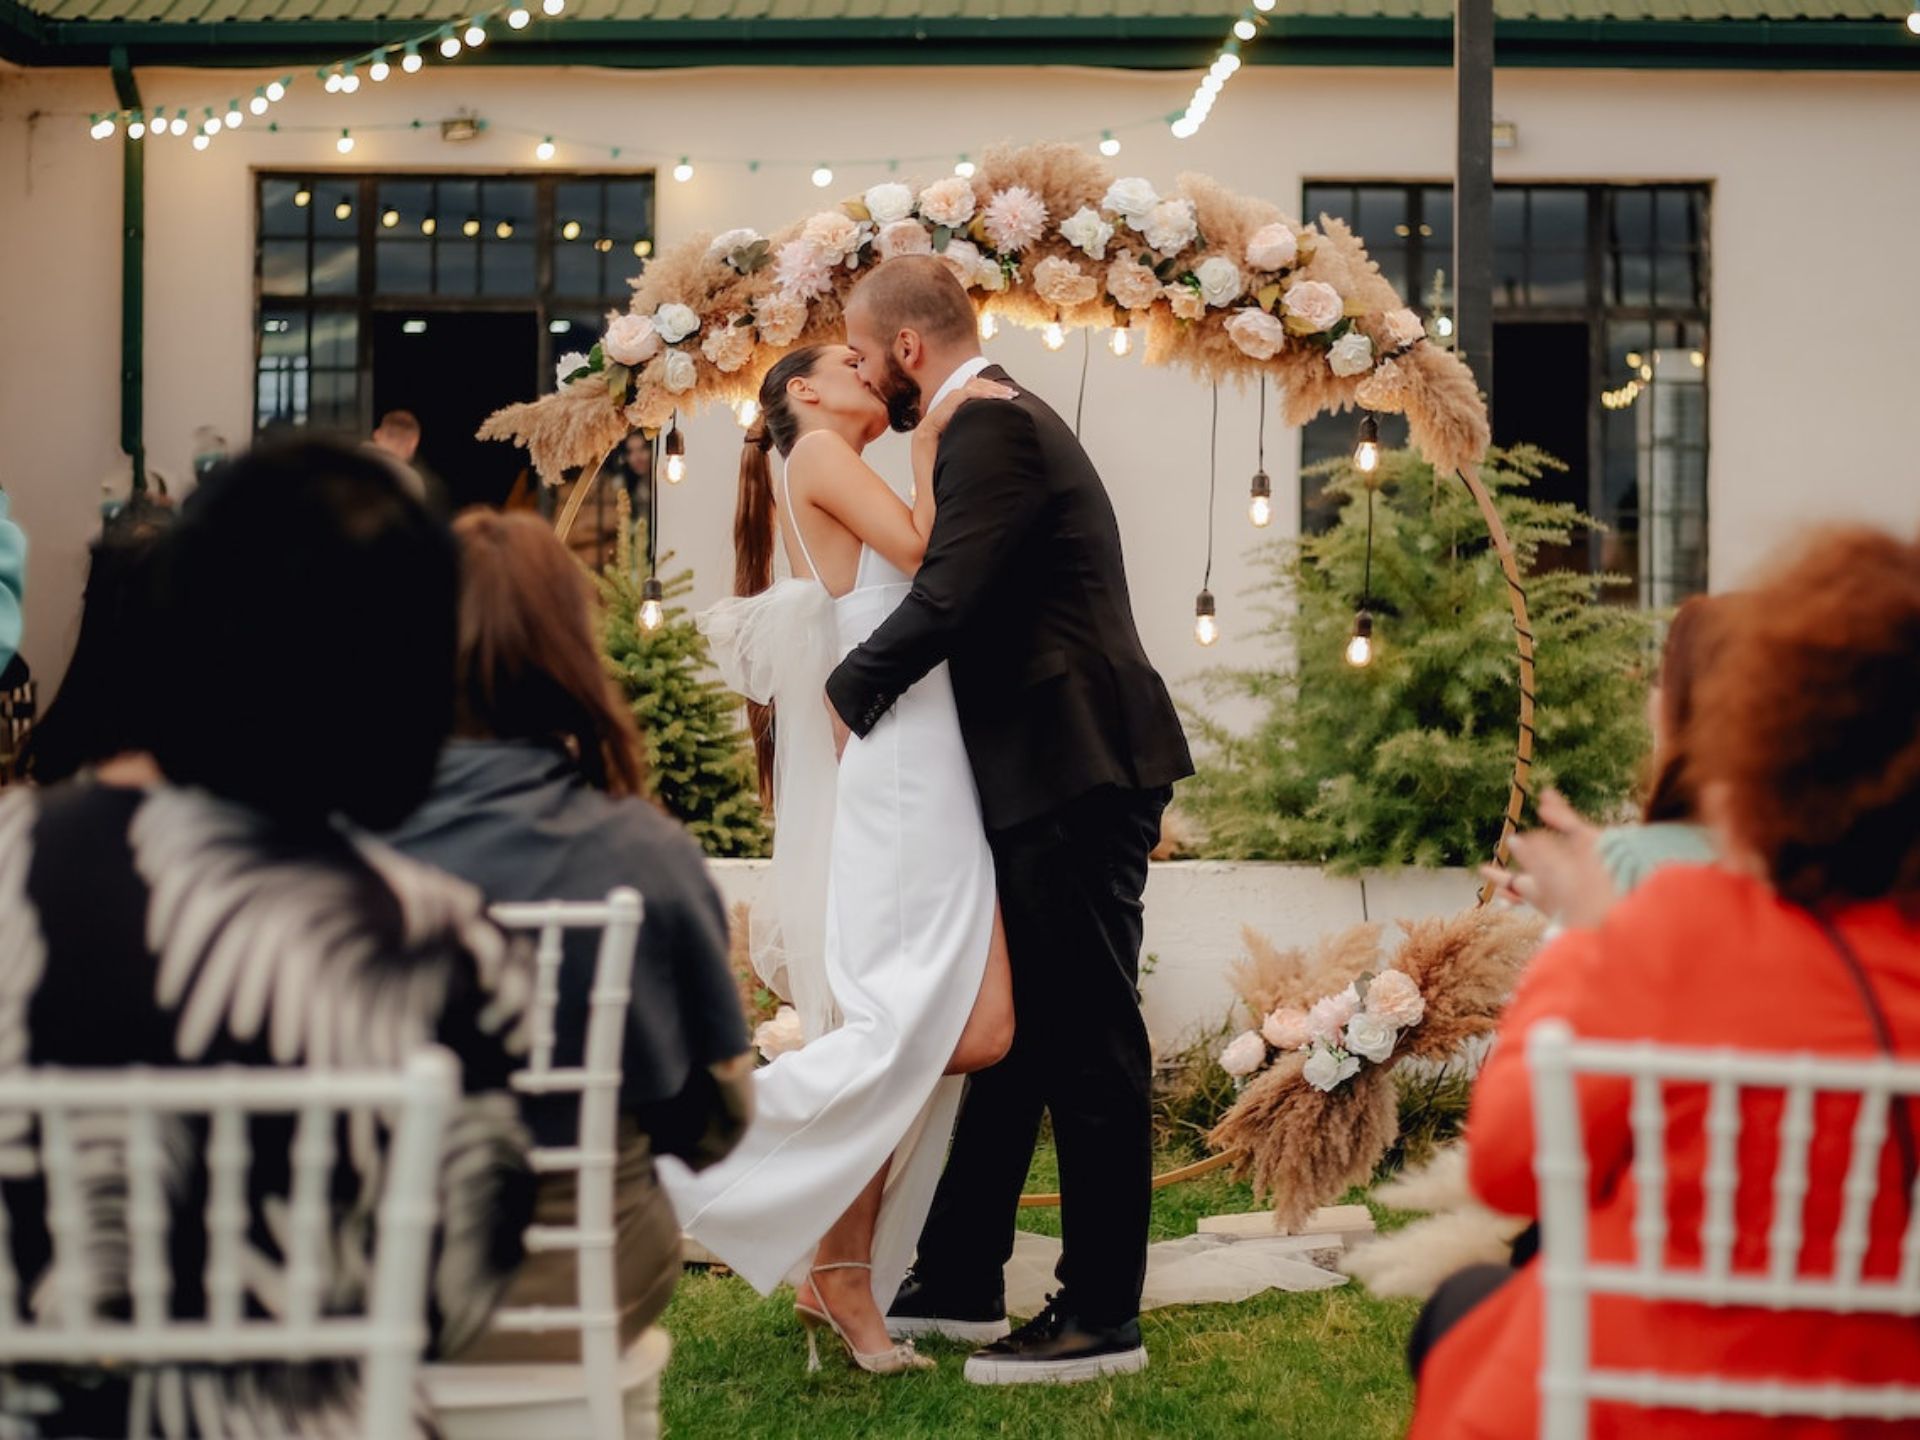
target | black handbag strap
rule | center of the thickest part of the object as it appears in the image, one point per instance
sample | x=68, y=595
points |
x=1883, y=1036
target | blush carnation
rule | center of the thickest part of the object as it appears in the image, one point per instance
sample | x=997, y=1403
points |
x=834, y=235
x=728, y=348
x=1272, y=247
x=1393, y=996
x=1329, y=1015
x=1401, y=328
x=1014, y=219
x=1286, y=1029
x=964, y=259
x=780, y=317
x=1062, y=283
x=1258, y=334
x=802, y=271
x=903, y=237
x=1170, y=226
x=948, y=202
x=1132, y=283
x=1186, y=302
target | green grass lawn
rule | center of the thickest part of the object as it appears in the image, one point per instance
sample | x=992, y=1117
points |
x=1274, y=1366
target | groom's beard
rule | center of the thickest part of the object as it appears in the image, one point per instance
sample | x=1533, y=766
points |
x=901, y=395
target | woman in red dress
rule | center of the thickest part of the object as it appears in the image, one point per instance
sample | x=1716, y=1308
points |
x=1807, y=744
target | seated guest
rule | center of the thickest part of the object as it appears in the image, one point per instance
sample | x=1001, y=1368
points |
x=236, y=917
x=1807, y=758
x=1573, y=871
x=102, y=717
x=540, y=796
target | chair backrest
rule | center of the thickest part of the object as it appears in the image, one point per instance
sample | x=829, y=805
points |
x=594, y=1155
x=136, y=1108
x=1570, y=1276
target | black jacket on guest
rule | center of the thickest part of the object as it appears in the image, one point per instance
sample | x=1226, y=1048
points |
x=1024, y=593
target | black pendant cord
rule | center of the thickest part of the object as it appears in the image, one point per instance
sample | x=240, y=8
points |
x=653, y=510
x=1213, y=480
x=1366, y=585
x=1261, y=463
x=1086, y=354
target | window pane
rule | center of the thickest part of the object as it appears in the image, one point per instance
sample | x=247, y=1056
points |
x=1632, y=220
x=283, y=335
x=510, y=201
x=1436, y=215
x=336, y=267
x=1509, y=278
x=283, y=267
x=334, y=402
x=280, y=212
x=1674, y=224
x=1633, y=284
x=629, y=211
x=1677, y=281
x=576, y=266
x=458, y=270
x=1558, y=220
x=405, y=267
x=1382, y=213
x=335, y=339
x=1509, y=216
x=1558, y=277
x=406, y=203
x=506, y=268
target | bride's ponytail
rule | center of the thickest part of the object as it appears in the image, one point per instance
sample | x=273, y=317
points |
x=754, y=524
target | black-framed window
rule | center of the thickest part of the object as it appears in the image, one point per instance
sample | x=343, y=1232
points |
x=334, y=249
x=1601, y=315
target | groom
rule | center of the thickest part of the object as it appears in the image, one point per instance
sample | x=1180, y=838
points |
x=1075, y=747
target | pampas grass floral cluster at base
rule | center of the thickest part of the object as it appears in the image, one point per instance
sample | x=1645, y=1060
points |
x=1301, y=1146
x=1042, y=235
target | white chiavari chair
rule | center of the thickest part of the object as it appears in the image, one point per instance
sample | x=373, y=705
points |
x=1570, y=1277
x=133, y=1109
x=608, y=1396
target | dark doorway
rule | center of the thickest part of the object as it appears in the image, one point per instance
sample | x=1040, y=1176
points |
x=452, y=370
x=1541, y=379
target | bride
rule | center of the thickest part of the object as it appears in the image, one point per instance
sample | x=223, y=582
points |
x=885, y=928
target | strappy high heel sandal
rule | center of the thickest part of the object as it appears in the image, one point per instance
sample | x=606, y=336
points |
x=895, y=1360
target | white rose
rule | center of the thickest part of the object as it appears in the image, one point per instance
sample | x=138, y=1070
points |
x=1370, y=1038
x=728, y=241
x=1314, y=303
x=1244, y=1054
x=1393, y=997
x=1258, y=334
x=964, y=260
x=774, y=1038
x=630, y=340
x=1170, y=226
x=675, y=322
x=1086, y=230
x=889, y=202
x=1272, y=248
x=1220, y=281
x=1352, y=354
x=1329, y=1016
x=678, y=373
x=1326, y=1068
x=948, y=202
x=567, y=364
x=1132, y=197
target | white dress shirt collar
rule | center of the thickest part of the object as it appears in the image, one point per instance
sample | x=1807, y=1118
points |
x=962, y=373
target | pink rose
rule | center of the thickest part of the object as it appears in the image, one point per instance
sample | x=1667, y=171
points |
x=1393, y=997
x=904, y=237
x=1132, y=284
x=1014, y=219
x=1244, y=1054
x=630, y=340
x=1186, y=302
x=1272, y=248
x=1062, y=283
x=1286, y=1029
x=1329, y=1016
x=1258, y=334
x=948, y=202
x=1315, y=304
x=780, y=318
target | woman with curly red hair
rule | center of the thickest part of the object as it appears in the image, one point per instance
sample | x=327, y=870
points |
x=1805, y=751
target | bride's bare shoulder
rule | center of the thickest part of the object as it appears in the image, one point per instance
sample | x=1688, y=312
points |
x=822, y=457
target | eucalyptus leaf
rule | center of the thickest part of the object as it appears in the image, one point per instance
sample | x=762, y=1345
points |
x=597, y=357
x=617, y=378
x=942, y=237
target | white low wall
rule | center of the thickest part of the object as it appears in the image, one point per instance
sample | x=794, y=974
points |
x=1197, y=910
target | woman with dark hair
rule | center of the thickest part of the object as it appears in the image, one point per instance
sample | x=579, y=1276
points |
x=540, y=795
x=1806, y=940
x=885, y=928
x=239, y=916
x=101, y=719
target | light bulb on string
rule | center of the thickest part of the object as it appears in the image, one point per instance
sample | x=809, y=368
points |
x=302, y=197
x=179, y=126
x=746, y=412
x=1109, y=146
x=1263, y=6
x=258, y=104
x=519, y=18
x=410, y=61
x=683, y=172
x=676, y=448
x=1121, y=341
x=343, y=211
x=1260, y=501
x=334, y=82
x=137, y=127
x=202, y=140
x=989, y=325
x=1366, y=452
x=552, y=7
x=544, y=150
x=345, y=143
x=1244, y=29
x=349, y=82
x=822, y=177
x=476, y=34
x=428, y=225
x=570, y=230
x=642, y=249
x=390, y=218
x=504, y=229
x=1206, y=624
x=450, y=45
x=470, y=227
x=235, y=115
x=964, y=169
x=653, y=609
x=379, y=70
x=1913, y=21
x=1054, y=336
x=211, y=123
x=1359, y=652
x=277, y=89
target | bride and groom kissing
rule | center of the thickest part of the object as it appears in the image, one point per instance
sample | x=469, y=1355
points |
x=955, y=905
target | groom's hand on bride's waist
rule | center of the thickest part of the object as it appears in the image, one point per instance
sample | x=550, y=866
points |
x=841, y=734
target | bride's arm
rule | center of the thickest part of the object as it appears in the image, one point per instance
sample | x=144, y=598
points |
x=828, y=473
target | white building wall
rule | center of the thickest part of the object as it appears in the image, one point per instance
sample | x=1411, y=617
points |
x=1813, y=307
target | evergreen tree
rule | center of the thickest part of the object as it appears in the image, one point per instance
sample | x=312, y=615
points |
x=699, y=763
x=1408, y=760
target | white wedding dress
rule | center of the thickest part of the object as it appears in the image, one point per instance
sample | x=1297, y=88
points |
x=883, y=904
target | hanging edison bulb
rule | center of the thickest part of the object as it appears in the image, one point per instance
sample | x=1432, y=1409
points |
x=653, y=609
x=746, y=412
x=1206, y=625
x=1360, y=643
x=1260, y=502
x=989, y=326
x=1366, y=454
x=676, y=455
x=1054, y=336
x=1121, y=341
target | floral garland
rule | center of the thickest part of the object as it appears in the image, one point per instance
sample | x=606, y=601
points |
x=1337, y=1032
x=1044, y=235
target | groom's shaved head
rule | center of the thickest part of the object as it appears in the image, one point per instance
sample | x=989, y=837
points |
x=915, y=292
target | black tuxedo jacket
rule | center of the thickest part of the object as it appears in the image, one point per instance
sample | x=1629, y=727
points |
x=1024, y=594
